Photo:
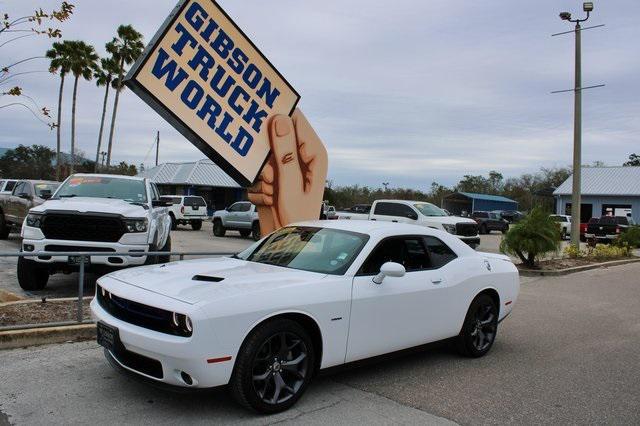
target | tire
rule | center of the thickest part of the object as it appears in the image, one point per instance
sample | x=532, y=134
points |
x=4, y=229
x=505, y=229
x=479, y=329
x=167, y=248
x=218, y=228
x=259, y=369
x=196, y=225
x=483, y=229
x=255, y=231
x=174, y=222
x=563, y=235
x=244, y=232
x=31, y=276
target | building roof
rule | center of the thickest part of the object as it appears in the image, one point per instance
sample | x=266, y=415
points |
x=199, y=173
x=605, y=181
x=486, y=197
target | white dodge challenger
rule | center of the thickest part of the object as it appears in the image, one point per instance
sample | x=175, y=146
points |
x=307, y=297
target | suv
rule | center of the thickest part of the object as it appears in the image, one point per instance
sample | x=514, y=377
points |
x=490, y=221
x=15, y=205
x=565, y=224
x=94, y=213
x=241, y=216
x=186, y=209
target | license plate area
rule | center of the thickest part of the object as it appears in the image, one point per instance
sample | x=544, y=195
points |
x=107, y=336
x=76, y=260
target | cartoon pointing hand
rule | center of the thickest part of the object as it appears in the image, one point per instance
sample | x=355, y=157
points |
x=291, y=185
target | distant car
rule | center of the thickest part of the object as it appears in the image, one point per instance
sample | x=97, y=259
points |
x=607, y=229
x=584, y=226
x=511, y=216
x=308, y=297
x=328, y=212
x=186, y=209
x=241, y=216
x=15, y=205
x=490, y=221
x=565, y=224
x=6, y=185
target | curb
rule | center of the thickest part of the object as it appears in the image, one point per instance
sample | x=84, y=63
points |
x=12, y=339
x=567, y=271
x=59, y=299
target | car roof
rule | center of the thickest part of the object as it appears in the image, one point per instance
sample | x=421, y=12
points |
x=109, y=176
x=365, y=226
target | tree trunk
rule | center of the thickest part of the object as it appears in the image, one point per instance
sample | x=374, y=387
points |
x=73, y=125
x=58, y=127
x=104, y=113
x=115, y=112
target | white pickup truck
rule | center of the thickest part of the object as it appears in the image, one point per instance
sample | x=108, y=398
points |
x=94, y=213
x=419, y=213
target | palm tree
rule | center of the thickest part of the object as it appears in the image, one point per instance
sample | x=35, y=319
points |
x=59, y=55
x=83, y=61
x=125, y=48
x=104, y=76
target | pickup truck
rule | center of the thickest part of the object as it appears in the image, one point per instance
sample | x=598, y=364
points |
x=94, y=213
x=420, y=213
x=490, y=221
x=186, y=209
x=241, y=216
x=606, y=229
x=24, y=195
x=564, y=221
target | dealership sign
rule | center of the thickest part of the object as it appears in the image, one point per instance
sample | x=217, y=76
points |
x=205, y=77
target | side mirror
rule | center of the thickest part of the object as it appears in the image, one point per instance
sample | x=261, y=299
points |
x=413, y=216
x=389, y=269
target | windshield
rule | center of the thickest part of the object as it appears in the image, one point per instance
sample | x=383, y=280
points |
x=323, y=250
x=104, y=187
x=45, y=188
x=429, y=209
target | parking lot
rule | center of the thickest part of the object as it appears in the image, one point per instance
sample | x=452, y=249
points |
x=568, y=354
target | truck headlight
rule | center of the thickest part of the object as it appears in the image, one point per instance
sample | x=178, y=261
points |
x=449, y=228
x=34, y=220
x=136, y=225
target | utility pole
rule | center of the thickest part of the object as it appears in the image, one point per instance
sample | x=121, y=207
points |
x=577, y=121
x=157, y=146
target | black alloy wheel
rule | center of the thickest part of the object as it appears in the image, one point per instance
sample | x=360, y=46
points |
x=255, y=231
x=218, y=228
x=480, y=327
x=274, y=367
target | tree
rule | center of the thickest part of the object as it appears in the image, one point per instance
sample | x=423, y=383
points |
x=28, y=162
x=634, y=160
x=60, y=56
x=532, y=237
x=125, y=48
x=104, y=76
x=83, y=60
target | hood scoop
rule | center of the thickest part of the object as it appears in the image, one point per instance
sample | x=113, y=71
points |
x=207, y=278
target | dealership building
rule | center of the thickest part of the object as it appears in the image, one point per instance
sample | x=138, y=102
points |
x=203, y=178
x=605, y=191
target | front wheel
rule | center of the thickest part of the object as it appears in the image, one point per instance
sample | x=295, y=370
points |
x=274, y=367
x=479, y=329
x=4, y=229
x=483, y=229
x=174, y=222
x=244, y=233
x=166, y=258
x=196, y=225
x=31, y=276
x=255, y=231
x=218, y=228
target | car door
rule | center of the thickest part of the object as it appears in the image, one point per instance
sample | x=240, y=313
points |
x=157, y=217
x=244, y=215
x=401, y=312
x=394, y=212
x=13, y=206
x=231, y=220
x=24, y=202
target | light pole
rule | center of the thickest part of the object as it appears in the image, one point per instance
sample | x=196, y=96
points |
x=577, y=127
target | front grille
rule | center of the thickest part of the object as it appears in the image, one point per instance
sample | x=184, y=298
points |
x=58, y=248
x=145, y=365
x=135, y=313
x=466, y=229
x=84, y=227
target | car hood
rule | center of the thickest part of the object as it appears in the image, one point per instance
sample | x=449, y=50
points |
x=90, y=204
x=451, y=220
x=200, y=280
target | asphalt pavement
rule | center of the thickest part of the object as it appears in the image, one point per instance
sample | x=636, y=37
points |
x=569, y=354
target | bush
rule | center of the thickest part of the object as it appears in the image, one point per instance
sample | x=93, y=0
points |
x=631, y=238
x=573, y=252
x=599, y=252
x=534, y=236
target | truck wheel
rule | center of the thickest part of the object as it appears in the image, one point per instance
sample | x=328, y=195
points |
x=255, y=231
x=31, y=276
x=218, y=228
x=174, y=222
x=244, y=233
x=4, y=229
x=483, y=229
x=167, y=248
x=196, y=225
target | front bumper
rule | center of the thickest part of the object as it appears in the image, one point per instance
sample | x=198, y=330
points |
x=191, y=355
x=609, y=237
x=471, y=241
x=88, y=246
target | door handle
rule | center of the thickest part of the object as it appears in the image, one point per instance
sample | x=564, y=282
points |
x=394, y=221
x=436, y=280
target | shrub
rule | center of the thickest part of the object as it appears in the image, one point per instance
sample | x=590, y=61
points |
x=606, y=251
x=631, y=237
x=534, y=236
x=573, y=252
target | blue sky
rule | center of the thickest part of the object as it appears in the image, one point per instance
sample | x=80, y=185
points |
x=407, y=92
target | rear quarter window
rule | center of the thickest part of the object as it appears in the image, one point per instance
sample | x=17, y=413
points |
x=194, y=201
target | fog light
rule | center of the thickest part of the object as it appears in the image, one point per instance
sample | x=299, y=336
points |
x=186, y=378
x=28, y=247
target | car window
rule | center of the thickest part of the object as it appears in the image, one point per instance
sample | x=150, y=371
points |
x=429, y=209
x=439, y=253
x=493, y=216
x=394, y=209
x=155, y=195
x=10, y=185
x=407, y=251
x=622, y=220
x=480, y=214
x=194, y=201
x=172, y=200
x=131, y=190
x=19, y=188
x=45, y=188
x=244, y=207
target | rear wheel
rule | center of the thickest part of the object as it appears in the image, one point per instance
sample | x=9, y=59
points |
x=32, y=276
x=480, y=327
x=218, y=228
x=255, y=231
x=245, y=232
x=274, y=367
x=4, y=229
x=196, y=225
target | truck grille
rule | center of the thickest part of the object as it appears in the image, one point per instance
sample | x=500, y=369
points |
x=466, y=229
x=83, y=227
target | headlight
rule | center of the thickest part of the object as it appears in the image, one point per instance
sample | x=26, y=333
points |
x=182, y=324
x=449, y=228
x=136, y=225
x=34, y=220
